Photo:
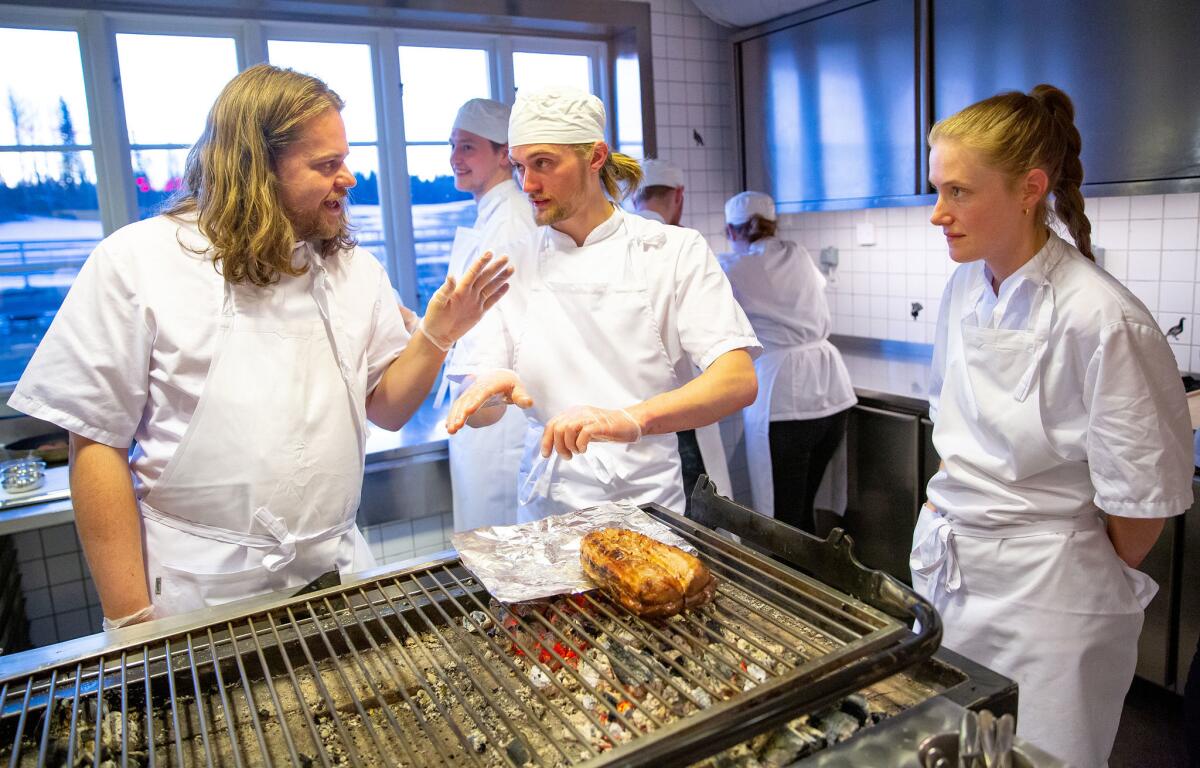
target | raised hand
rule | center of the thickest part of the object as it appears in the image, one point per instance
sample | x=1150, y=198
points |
x=459, y=304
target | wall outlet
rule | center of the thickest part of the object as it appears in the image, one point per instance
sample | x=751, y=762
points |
x=864, y=234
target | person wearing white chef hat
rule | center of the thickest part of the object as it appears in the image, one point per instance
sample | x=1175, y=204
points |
x=484, y=462
x=799, y=420
x=660, y=195
x=598, y=339
x=1060, y=418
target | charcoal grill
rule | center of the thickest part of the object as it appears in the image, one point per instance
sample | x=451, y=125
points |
x=419, y=667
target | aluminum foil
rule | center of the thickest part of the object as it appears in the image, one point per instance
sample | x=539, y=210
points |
x=536, y=560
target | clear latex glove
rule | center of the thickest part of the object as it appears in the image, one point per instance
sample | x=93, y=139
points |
x=496, y=387
x=459, y=304
x=411, y=319
x=570, y=432
x=137, y=617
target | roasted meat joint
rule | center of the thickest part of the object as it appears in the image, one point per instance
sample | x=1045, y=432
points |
x=719, y=656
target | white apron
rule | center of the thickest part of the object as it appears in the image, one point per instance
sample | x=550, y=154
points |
x=757, y=420
x=1046, y=602
x=263, y=490
x=483, y=462
x=594, y=344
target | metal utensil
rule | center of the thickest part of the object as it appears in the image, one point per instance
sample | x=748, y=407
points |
x=1005, y=728
x=968, y=740
x=987, y=737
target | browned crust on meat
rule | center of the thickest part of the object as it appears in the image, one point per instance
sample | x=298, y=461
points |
x=649, y=578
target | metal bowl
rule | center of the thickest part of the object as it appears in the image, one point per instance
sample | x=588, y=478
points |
x=947, y=744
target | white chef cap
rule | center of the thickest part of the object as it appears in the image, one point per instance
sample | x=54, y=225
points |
x=556, y=115
x=485, y=118
x=660, y=173
x=740, y=207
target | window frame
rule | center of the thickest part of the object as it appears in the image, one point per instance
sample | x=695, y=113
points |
x=112, y=151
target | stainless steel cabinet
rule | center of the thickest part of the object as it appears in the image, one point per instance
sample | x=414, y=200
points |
x=883, y=488
x=1189, y=593
x=829, y=107
x=1129, y=66
x=1156, y=643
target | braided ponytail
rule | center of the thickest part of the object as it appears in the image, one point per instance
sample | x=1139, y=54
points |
x=1018, y=132
x=1068, y=200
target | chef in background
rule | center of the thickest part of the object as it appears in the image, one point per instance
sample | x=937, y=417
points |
x=484, y=462
x=1060, y=417
x=242, y=339
x=804, y=390
x=599, y=340
x=660, y=195
x=660, y=198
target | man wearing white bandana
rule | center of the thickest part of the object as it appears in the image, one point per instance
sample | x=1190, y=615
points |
x=608, y=314
x=484, y=462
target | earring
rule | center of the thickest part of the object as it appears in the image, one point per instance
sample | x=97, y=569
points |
x=1024, y=211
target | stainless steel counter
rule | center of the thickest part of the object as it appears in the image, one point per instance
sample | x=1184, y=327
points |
x=422, y=439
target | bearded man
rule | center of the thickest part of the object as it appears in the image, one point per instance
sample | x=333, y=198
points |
x=240, y=341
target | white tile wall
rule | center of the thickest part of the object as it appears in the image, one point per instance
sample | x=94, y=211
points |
x=693, y=95
x=1151, y=244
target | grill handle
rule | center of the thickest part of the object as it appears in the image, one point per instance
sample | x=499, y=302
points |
x=831, y=560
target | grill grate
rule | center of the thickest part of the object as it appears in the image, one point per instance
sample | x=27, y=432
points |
x=422, y=668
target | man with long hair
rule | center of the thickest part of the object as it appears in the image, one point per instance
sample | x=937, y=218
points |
x=608, y=316
x=240, y=341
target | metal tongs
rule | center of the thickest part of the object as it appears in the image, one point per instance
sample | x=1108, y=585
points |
x=985, y=741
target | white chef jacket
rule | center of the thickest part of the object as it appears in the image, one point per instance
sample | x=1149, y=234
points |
x=1110, y=398
x=783, y=293
x=127, y=355
x=503, y=215
x=692, y=305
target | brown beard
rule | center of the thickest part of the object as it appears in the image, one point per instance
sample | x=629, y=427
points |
x=314, y=226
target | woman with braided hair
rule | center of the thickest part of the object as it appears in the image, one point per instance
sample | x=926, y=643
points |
x=1060, y=418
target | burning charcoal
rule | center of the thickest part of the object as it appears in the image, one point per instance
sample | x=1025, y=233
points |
x=539, y=678
x=630, y=670
x=701, y=695
x=587, y=701
x=836, y=726
x=478, y=742
x=477, y=620
x=517, y=752
x=856, y=705
x=757, y=673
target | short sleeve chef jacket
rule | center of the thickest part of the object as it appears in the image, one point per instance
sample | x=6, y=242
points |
x=690, y=298
x=128, y=353
x=1111, y=396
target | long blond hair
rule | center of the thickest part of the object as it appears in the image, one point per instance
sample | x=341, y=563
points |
x=1018, y=132
x=230, y=180
x=620, y=174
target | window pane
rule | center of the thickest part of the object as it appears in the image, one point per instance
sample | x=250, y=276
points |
x=157, y=174
x=436, y=83
x=364, y=198
x=166, y=100
x=437, y=210
x=346, y=68
x=629, y=107
x=49, y=223
x=541, y=70
x=41, y=82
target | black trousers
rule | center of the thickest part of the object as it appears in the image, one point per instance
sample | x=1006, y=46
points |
x=1191, y=711
x=800, y=451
